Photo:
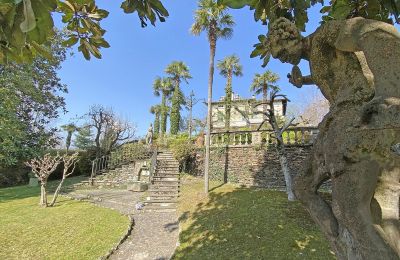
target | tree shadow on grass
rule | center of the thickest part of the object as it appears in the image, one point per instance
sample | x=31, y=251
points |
x=250, y=224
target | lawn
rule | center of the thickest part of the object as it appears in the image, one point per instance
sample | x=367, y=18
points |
x=70, y=230
x=245, y=223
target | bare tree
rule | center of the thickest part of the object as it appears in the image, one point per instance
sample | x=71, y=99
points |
x=42, y=168
x=68, y=161
x=109, y=129
x=271, y=118
x=315, y=110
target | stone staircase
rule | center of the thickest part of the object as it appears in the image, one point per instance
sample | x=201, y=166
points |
x=118, y=177
x=164, y=186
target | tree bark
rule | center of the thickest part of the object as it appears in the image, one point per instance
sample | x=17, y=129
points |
x=209, y=113
x=286, y=172
x=228, y=102
x=43, y=195
x=56, y=192
x=265, y=98
x=163, y=115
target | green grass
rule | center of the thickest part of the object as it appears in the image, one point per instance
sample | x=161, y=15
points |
x=245, y=223
x=70, y=230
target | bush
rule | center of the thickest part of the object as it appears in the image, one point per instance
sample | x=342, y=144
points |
x=183, y=149
x=14, y=176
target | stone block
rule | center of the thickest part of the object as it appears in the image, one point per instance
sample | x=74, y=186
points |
x=33, y=182
x=138, y=186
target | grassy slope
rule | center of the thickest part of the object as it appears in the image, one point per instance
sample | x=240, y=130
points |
x=70, y=230
x=243, y=223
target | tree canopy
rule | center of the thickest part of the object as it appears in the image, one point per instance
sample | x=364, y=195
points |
x=30, y=99
x=26, y=26
x=297, y=11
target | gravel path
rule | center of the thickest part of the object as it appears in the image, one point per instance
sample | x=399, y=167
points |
x=155, y=234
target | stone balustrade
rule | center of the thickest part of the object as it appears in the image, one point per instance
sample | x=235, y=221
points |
x=295, y=136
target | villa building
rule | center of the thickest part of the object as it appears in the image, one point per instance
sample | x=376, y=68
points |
x=242, y=115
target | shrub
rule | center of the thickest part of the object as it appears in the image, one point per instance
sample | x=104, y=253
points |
x=183, y=149
x=14, y=176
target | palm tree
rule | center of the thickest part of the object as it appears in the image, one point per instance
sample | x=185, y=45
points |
x=156, y=110
x=70, y=129
x=229, y=67
x=164, y=87
x=212, y=18
x=177, y=71
x=262, y=83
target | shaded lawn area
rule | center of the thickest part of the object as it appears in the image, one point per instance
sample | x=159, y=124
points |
x=245, y=223
x=70, y=230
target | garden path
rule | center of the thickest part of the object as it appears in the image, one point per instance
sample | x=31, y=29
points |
x=155, y=234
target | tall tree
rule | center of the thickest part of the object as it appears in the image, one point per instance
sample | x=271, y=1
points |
x=30, y=99
x=110, y=130
x=212, y=18
x=163, y=87
x=262, y=83
x=229, y=67
x=156, y=110
x=83, y=138
x=70, y=129
x=177, y=71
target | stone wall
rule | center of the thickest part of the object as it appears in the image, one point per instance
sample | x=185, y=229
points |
x=135, y=171
x=250, y=166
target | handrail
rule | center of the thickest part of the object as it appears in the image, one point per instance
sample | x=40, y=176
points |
x=153, y=165
x=117, y=158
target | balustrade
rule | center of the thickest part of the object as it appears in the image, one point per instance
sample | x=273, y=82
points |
x=296, y=136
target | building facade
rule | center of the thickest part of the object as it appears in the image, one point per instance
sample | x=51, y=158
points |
x=242, y=113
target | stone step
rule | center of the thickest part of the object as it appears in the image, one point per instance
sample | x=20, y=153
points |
x=166, y=181
x=157, y=201
x=164, y=193
x=163, y=186
x=155, y=208
x=167, y=178
x=162, y=196
x=167, y=169
x=163, y=173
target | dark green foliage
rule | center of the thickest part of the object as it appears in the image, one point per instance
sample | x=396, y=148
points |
x=26, y=26
x=147, y=10
x=296, y=11
x=70, y=129
x=177, y=101
x=177, y=71
x=156, y=110
x=14, y=176
x=183, y=149
x=163, y=87
x=229, y=67
x=84, y=138
x=29, y=100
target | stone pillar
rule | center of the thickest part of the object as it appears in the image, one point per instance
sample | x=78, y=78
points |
x=256, y=138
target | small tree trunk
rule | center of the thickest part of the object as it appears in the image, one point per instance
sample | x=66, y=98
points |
x=265, y=99
x=56, y=192
x=286, y=172
x=43, y=195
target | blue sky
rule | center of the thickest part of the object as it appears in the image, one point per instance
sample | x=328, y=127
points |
x=123, y=78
